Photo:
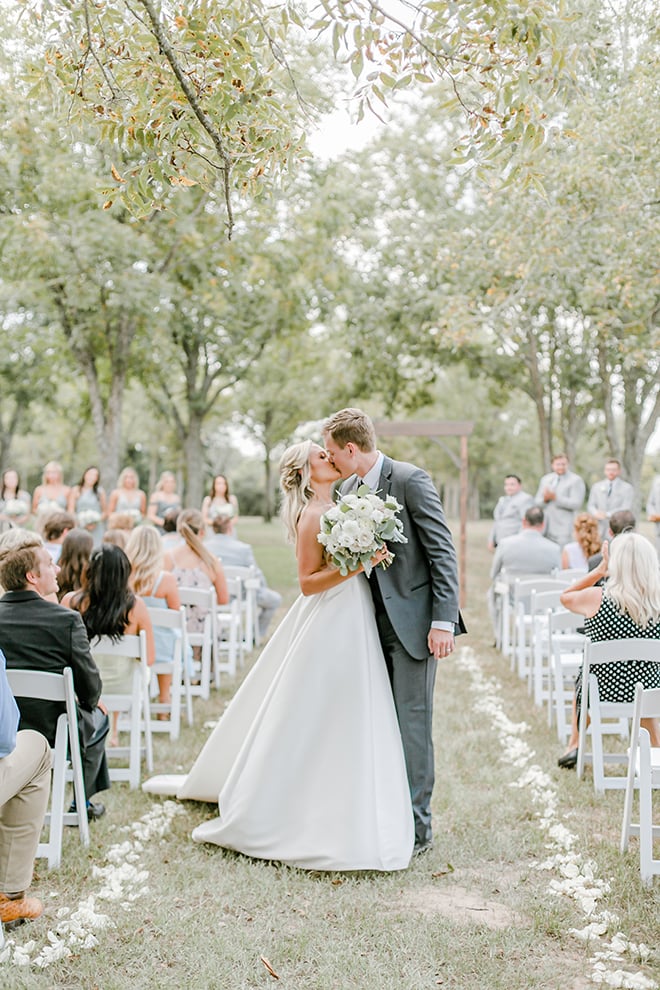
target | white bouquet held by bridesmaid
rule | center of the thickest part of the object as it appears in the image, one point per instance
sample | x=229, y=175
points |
x=359, y=525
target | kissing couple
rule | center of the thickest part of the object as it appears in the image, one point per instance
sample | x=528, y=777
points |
x=324, y=757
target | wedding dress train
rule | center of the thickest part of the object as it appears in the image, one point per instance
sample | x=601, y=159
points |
x=307, y=764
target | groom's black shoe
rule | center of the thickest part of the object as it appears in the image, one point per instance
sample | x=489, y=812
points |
x=422, y=847
x=94, y=811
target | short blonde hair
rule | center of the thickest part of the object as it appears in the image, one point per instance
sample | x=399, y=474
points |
x=18, y=556
x=351, y=426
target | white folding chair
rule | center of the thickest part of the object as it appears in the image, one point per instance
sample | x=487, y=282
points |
x=136, y=705
x=58, y=687
x=521, y=658
x=542, y=603
x=566, y=646
x=206, y=599
x=571, y=574
x=229, y=631
x=644, y=773
x=173, y=620
x=249, y=608
x=503, y=598
x=601, y=713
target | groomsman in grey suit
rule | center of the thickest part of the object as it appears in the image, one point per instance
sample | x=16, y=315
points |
x=509, y=511
x=610, y=496
x=653, y=510
x=561, y=495
x=416, y=598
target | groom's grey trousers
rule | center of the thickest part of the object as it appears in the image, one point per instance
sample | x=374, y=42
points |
x=412, y=686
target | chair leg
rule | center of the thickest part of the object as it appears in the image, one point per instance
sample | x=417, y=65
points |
x=629, y=796
x=645, y=809
x=58, y=786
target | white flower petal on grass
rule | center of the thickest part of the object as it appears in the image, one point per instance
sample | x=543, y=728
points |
x=579, y=877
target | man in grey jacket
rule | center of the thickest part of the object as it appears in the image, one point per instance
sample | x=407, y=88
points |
x=610, y=495
x=416, y=598
x=653, y=510
x=509, y=511
x=560, y=495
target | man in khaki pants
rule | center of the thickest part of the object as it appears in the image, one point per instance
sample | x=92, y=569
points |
x=24, y=788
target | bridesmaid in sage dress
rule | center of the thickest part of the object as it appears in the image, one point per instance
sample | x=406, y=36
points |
x=86, y=501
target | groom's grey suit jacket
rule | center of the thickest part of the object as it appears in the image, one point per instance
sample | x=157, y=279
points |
x=421, y=586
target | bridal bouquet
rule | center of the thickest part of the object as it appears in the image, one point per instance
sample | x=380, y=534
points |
x=16, y=507
x=88, y=517
x=357, y=526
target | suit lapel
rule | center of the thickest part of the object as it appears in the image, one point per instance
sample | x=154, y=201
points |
x=385, y=480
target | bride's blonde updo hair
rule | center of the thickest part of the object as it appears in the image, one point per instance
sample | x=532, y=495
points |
x=295, y=485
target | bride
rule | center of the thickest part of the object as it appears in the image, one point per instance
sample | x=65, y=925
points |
x=306, y=764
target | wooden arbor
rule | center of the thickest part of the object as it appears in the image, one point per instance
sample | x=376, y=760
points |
x=434, y=430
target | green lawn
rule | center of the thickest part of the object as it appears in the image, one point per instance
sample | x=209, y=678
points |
x=474, y=914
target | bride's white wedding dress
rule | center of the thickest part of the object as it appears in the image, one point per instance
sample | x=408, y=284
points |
x=306, y=763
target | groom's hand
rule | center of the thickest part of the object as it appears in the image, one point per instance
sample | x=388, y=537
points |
x=441, y=643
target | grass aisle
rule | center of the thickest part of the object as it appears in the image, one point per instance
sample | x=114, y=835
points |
x=476, y=913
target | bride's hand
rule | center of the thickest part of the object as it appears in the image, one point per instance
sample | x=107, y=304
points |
x=380, y=556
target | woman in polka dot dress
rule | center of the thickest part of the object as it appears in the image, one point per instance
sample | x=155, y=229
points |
x=627, y=607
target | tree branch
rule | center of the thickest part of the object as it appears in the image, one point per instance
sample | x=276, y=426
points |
x=194, y=104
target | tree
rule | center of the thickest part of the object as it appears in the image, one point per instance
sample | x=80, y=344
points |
x=296, y=379
x=78, y=274
x=209, y=90
x=221, y=304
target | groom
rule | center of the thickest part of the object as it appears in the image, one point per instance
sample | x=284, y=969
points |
x=416, y=599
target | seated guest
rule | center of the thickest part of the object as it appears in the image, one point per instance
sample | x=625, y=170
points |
x=109, y=608
x=36, y=634
x=169, y=537
x=24, y=789
x=622, y=521
x=76, y=550
x=158, y=589
x=55, y=528
x=626, y=607
x=529, y=552
x=194, y=566
x=118, y=537
x=234, y=553
x=575, y=555
x=122, y=520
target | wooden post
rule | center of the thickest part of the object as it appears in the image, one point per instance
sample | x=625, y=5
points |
x=443, y=428
x=462, y=555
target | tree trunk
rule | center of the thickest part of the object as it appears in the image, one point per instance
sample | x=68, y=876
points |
x=8, y=432
x=194, y=457
x=538, y=396
x=106, y=417
x=268, y=491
